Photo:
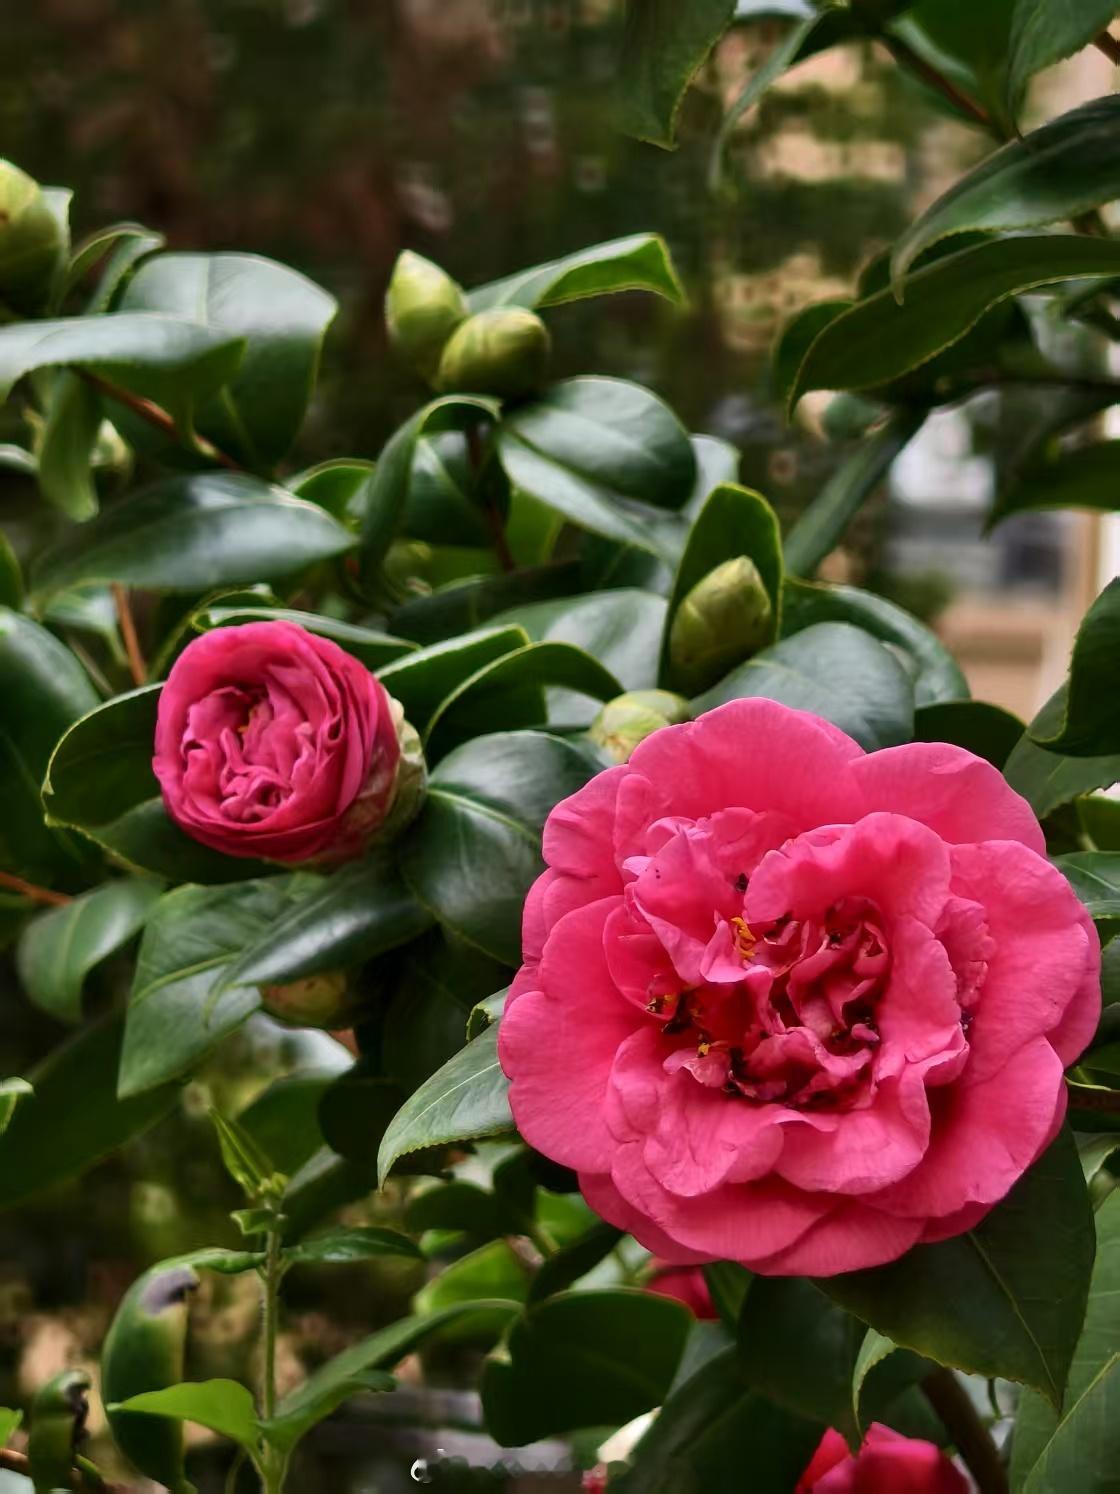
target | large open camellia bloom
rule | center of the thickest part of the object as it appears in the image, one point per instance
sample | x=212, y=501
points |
x=792, y=1004
x=274, y=742
x=886, y=1463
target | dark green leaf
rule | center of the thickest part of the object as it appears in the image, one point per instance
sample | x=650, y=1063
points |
x=937, y=675
x=222, y=1405
x=493, y=1272
x=462, y=606
x=340, y=485
x=59, y=948
x=463, y=1101
x=424, y=679
x=821, y=527
x=356, y=1110
x=44, y=690
x=474, y=852
x=1095, y=877
x=835, y=671
x=1008, y=1297
x=800, y=1349
x=12, y=1091
x=1048, y=779
x=987, y=730
x=194, y=533
x=483, y=1013
x=1063, y=169
x=11, y=575
x=1080, y=1450
x=459, y=1205
x=103, y=245
x=282, y=317
x=969, y=45
x=728, y=1284
x=180, y=1006
x=345, y=1244
x=429, y=989
x=619, y=628
x=283, y=1119
x=566, y=1266
x=100, y=781
x=51, y=1138
x=1092, y=719
x=372, y=648
x=662, y=47
x=638, y=262
x=1083, y=478
x=325, y=1182
x=879, y=340
x=507, y=693
x=174, y=363
x=73, y=419
x=712, y=1429
x=582, y=1359
x=796, y=338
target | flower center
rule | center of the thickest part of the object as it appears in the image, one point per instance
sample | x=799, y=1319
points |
x=799, y=1026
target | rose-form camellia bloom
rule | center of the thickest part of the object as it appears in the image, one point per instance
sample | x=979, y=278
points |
x=684, y=1284
x=791, y=1004
x=887, y=1463
x=274, y=742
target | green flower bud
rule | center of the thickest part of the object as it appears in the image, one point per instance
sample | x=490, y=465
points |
x=504, y=351
x=316, y=1001
x=32, y=243
x=630, y=718
x=423, y=306
x=58, y=1424
x=722, y=621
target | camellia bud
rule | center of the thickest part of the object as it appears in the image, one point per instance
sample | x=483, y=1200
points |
x=630, y=718
x=423, y=306
x=504, y=351
x=31, y=242
x=722, y=621
x=317, y=1001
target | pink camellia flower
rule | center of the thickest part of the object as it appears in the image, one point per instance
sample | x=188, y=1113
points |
x=684, y=1284
x=791, y=1004
x=274, y=742
x=887, y=1463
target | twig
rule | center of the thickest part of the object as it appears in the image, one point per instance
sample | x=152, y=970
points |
x=971, y=1437
x=904, y=54
x=1108, y=44
x=29, y=889
x=145, y=409
x=493, y=517
x=128, y=632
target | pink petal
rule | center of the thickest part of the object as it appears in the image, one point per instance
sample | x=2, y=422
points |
x=850, y=1237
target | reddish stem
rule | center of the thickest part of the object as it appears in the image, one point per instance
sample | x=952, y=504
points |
x=128, y=632
x=29, y=889
x=493, y=517
x=146, y=410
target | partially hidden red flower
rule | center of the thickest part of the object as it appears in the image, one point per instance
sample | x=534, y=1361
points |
x=273, y=742
x=789, y=1003
x=886, y=1463
x=685, y=1284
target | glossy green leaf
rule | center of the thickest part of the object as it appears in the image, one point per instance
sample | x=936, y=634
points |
x=1085, y=477
x=44, y=690
x=1095, y=877
x=12, y=1091
x=1048, y=779
x=508, y=693
x=11, y=575
x=181, y=1005
x=59, y=948
x=879, y=340
x=836, y=671
x=388, y=491
x=733, y=521
x=101, y=247
x=795, y=339
x=340, y=485
x=605, y=453
x=9, y=1422
x=356, y=1110
x=1068, y=166
x=1092, y=717
x=969, y=45
x=461, y=1206
x=282, y=317
x=195, y=533
x=1079, y=1450
x=174, y=363
x=640, y=261
x=429, y=989
x=283, y=1119
x=338, y=1379
x=346, y=1244
x=485, y=1012
x=462, y=606
x=620, y=628
x=1008, y=1297
x=800, y=1349
x=823, y=524
x=222, y=1405
x=73, y=419
x=425, y=678
x=582, y=1359
x=100, y=781
x=988, y=730
x=567, y=1265
x=465, y=1100
x=474, y=852
x=373, y=648
x=493, y=1271
x=662, y=46
x=711, y=1429
x=50, y=1138
x=324, y=1182
x=59, y=1410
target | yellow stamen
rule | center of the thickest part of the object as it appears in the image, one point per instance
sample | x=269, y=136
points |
x=703, y=1048
x=745, y=940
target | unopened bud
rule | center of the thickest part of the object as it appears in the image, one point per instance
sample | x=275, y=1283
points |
x=316, y=1001
x=725, y=619
x=423, y=306
x=630, y=718
x=503, y=351
x=32, y=243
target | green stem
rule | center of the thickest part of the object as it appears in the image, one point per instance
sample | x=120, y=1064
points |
x=274, y=1463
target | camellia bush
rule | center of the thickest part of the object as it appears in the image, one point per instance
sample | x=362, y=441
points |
x=725, y=984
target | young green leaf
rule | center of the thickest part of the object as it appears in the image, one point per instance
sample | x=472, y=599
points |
x=662, y=47
x=222, y=1405
x=73, y=419
x=424, y=679
x=1092, y=719
x=640, y=261
x=1082, y=478
x=1095, y=877
x=12, y=1091
x=373, y=648
x=347, y=1244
